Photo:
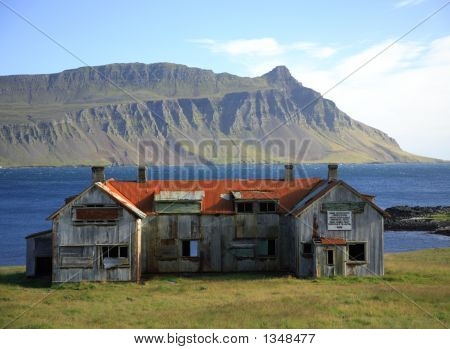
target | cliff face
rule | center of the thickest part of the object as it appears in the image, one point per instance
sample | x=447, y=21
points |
x=86, y=116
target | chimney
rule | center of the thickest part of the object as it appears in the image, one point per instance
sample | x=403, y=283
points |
x=142, y=174
x=288, y=172
x=332, y=172
x=98, y=174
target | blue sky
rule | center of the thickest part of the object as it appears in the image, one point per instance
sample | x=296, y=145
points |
x=404, y=92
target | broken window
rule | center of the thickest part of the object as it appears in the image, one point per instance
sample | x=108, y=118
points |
x=189, y=248
x=307, y=248
x=357, y=252
x=268, y=206
x=271, y=247
x=167, y=249
x=114, y=256
x=266, y=248
x=245, y=207
x=330, y=257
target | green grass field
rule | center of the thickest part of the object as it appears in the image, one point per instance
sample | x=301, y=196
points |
x=414, y=293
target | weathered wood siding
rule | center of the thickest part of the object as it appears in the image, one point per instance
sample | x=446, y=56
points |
x=92, y=236
x=367, y=227
x=227, y=243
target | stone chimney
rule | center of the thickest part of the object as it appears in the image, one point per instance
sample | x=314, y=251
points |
x=332, y=172
x=142, y=174
x=288, y=172
x=98, y=174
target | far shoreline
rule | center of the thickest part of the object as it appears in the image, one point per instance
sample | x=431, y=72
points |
x=225, y=164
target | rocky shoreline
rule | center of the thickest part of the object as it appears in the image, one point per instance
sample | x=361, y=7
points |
x=407, y=218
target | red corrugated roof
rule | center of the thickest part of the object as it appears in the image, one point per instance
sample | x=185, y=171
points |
x=287, y=192
x=332, y=241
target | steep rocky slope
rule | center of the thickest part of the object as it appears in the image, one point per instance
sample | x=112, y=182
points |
x=98, y=115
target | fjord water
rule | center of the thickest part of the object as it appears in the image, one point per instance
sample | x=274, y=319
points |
x=29, y=195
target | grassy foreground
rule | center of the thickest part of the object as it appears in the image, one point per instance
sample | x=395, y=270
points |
x=240, y=300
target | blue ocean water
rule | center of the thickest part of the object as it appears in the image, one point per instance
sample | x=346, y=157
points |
x=29, y=195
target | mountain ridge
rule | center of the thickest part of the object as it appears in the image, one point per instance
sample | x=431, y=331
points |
x=96, y=115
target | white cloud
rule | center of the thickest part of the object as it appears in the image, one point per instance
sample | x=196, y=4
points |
x=403, y=92
x=405, y=3
x=264, y=47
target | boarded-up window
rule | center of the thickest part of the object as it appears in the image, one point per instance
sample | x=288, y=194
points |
x=167, y=249
x=243, y=252
x=101, y=213
x=96, y=214
x=177, y=207
x=76, y=256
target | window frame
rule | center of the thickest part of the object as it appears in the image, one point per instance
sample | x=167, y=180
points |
x=189, y=241
x=366, y=252
x=88, y=257
x=93, y=206
x=308, y=254
x=267, y=255
x=333, y=257
x=268, y=202
x=246, y=204
x=119, y=246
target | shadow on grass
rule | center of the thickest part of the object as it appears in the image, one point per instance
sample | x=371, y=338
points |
x=17, y=278
x=250, y=276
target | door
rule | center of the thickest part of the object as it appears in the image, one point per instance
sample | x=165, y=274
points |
x=43, y=266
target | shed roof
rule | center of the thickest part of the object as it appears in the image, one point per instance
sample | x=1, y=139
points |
x=39, y=234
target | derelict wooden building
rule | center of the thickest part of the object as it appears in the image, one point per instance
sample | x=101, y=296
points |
x=120, y=230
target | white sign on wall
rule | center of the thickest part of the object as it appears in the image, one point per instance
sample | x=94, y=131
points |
x=339, y=220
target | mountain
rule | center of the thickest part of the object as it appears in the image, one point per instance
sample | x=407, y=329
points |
x=95, y=115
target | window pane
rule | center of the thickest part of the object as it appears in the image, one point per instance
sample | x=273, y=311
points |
x=356, y=252
x=113, y=251
x=245, y=207
x=123, y=250
x=194, y=248
x=185, y=248
x=307, y=248
x=330, y=257
x=271, y=248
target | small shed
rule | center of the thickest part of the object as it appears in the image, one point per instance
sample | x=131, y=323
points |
x=39, y=253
